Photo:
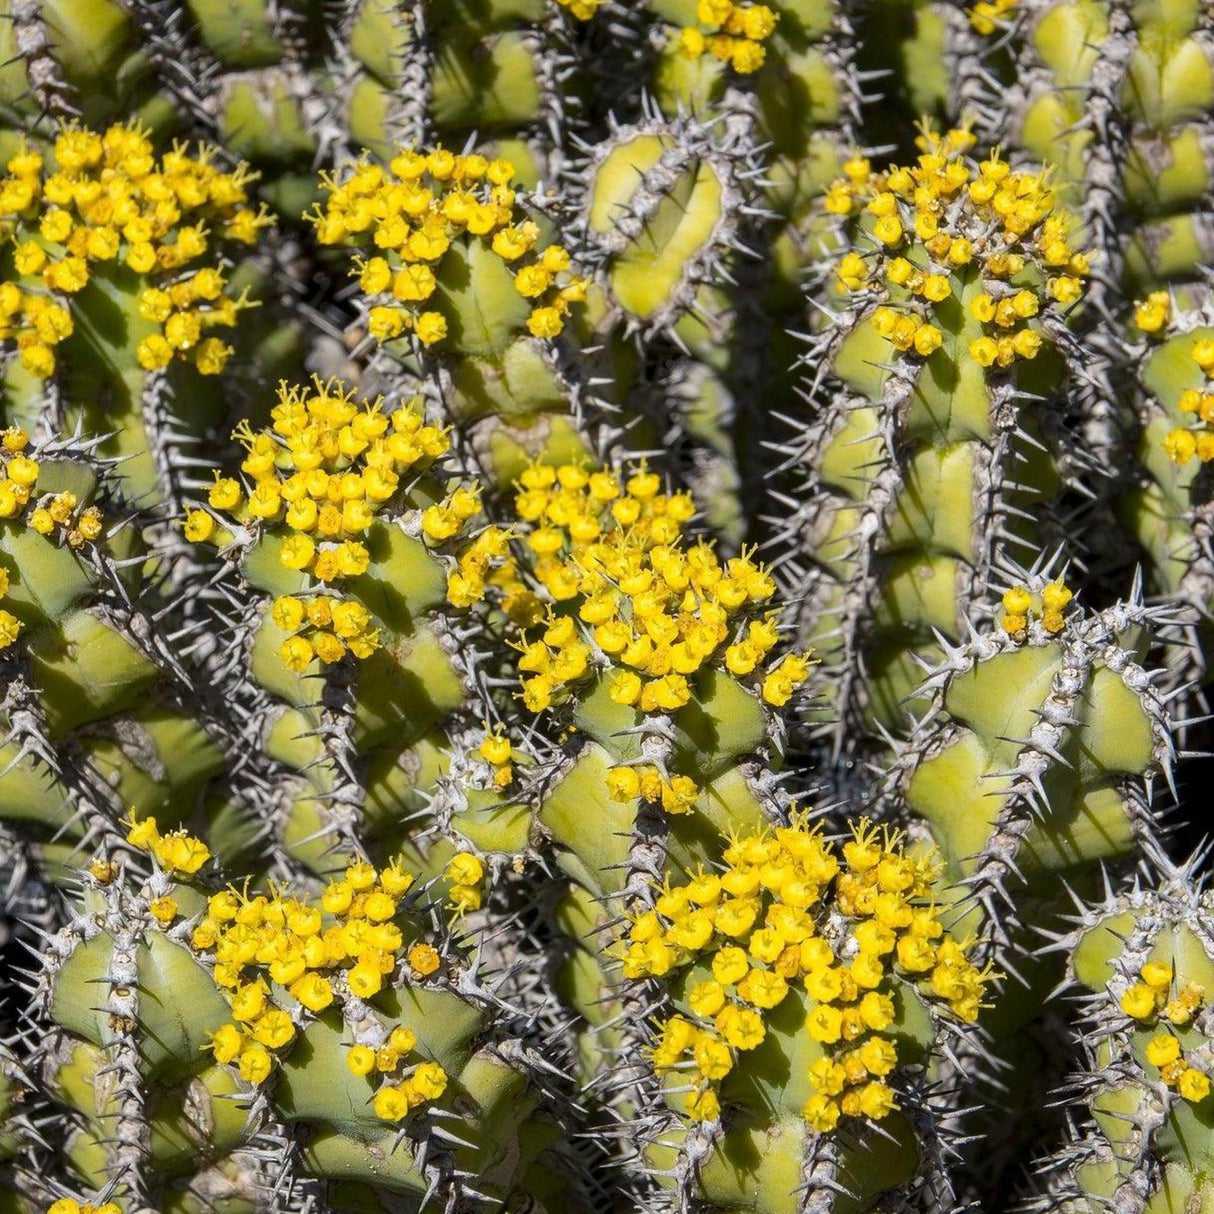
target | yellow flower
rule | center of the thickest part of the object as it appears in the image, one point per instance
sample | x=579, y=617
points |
x=704, y=1105
x=298, y=551
x=496, y=749
x=154, y=353
x=730, y=966
x=360, y=1060
x=465, y=869
x=402, y=1039
x=1180, y=446
x=423, y=959
x=1153, y=314
x=747, y=56
x=821, y=1113
x=1193, y=1085
x=395, y=882
x=199, y=526
x=249, y=1001
x=224, y=494
x=274, y=1029
x=1157, y=975
x=712, y=1056
x=430, y=327
x=296, y=653
x=227, y=1042
x=180, y=852
x=385, y=323
x=928, y=339
x=364, y=980
x=623, y=783
x=1139, y=1001
x=876, y=1101
x=430, y=1080
x=391, y=1104
x=545, y=322
x=29, y=257
x=255, y=1063
x=1162, y=1049
x=313, y=991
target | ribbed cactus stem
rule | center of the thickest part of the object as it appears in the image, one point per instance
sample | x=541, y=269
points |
x=408, y=120
x=35, y=44
x=1027, y=800
x=1107, y=151
x=181, y=65
x=131, y=1137
x=91, y=802
x=1091, y=648
x=637, y=186
x=1165, y=510
x=1140, y=962
x=121, y=920
x=933, y=447
x=343, y=802
x=620, y=744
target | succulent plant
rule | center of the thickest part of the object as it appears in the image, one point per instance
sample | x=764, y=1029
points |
x=604, y=606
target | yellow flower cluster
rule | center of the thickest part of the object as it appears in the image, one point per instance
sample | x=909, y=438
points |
x=466, y=873
x=18, y=489
x=786, y=910
x=321, y=473
x=988, y=16
x=1148, y=1001
x=648, y=607
x=323, y=627
x=676, y=794
x=317, y=950
x=107, y=200
x=414, y=211
x=498, y=751
x=930, y=221
x=1180, y=444
x=68, y=1205
x=50, y=513
x=177, y=852
x=1019, y=605
x=733, y=33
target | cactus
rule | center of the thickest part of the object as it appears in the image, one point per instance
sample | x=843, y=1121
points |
x=764, y=1072
x=1140, y=961
x=472, y=303
x=941, y=61
x=1035, y=762
x=336, y=645
x=1040, y=745
x=930, y=453
x=614, y=729
x=115, y=298
x=288, y=86
x=719, y=278
x=648, y=662
x=343, y=1040
x=80, y=61
x=665, y=764
x=653, y=648
x=1118, y=97
x=100, y=717
x=1164, y=511
x=445, y=71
